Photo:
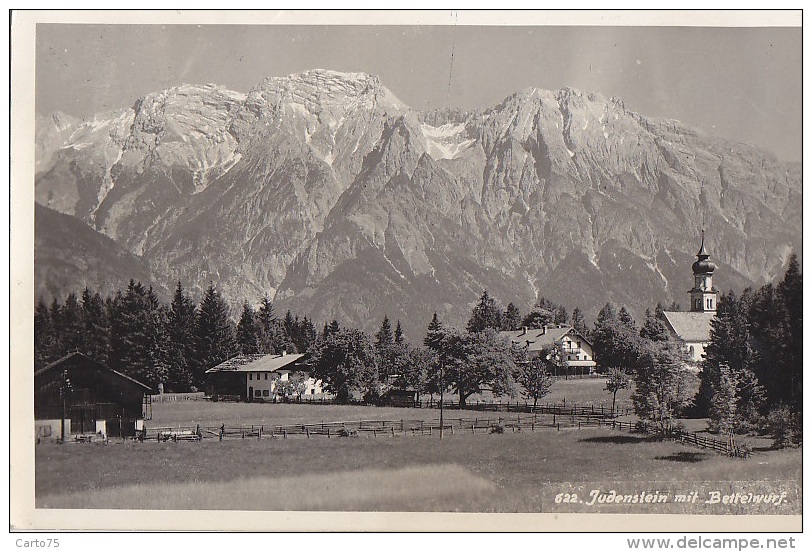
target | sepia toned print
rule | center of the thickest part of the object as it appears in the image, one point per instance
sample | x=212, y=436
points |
x=459, y=269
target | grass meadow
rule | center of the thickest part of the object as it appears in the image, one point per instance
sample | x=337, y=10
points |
x=509, y=472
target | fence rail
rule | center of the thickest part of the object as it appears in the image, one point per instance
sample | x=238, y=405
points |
x=172, y=397
x=484, y=424
x=727, y=447
x=561, y=409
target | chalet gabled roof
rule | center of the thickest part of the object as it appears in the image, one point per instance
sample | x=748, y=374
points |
x=256, y=363
x=536, y=339
x=81, y=356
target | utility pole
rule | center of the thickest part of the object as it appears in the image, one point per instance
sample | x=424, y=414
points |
x=64, y=388
x=442, y=389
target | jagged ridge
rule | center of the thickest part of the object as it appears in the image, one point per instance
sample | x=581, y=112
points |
x=326, y=191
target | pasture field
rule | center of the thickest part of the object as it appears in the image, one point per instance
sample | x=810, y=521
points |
x=509, y=472
x=583, y=392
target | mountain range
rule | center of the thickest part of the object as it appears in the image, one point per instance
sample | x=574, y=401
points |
x=327, y=193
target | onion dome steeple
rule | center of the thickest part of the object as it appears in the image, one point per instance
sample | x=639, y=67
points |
x=703, y=265
x=703, y=294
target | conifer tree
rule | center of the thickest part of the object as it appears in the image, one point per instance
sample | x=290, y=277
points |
x=181, y=341
x=331, y=328
x=626, y=319
x=44, y=338
x=486, y=314
x=561, y=315
x=248, y=332
x=512, y=319
x=579, y=322
x=306, y=335
x=138, y=338
x=654, y=328
x=267, y=327
x=214, y=334
x=399, y=333
x=70, y=325
x=729, y=365
x=95, y=326
x=434, y=334
x=384, y=337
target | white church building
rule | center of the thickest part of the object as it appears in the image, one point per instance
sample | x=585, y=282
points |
x=692, y=328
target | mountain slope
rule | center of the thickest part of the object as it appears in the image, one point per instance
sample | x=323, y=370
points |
x=68, y=256
x=325, y=191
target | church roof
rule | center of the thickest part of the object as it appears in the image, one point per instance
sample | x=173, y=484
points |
x=690, y=326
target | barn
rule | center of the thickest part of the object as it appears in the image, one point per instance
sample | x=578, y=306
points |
x=90, y=396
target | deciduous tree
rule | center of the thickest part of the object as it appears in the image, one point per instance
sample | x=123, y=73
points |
x=346, y=362
x=534, y=373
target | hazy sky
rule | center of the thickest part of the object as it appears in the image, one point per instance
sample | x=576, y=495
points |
x=739, y=83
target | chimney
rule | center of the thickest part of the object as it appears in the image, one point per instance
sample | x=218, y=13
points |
x=284, y=352
x=544, y=329
x=524, y=330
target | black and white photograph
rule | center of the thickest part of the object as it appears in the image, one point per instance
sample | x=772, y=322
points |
x=407, y=267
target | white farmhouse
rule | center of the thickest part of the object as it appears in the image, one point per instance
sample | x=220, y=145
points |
x=578, y=355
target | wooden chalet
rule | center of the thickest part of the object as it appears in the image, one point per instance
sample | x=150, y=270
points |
x=89, y=397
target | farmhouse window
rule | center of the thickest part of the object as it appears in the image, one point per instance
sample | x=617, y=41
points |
x=265, y=393
x=250, y=376
x=266, y=375
x=579, y=344
x=257, y=393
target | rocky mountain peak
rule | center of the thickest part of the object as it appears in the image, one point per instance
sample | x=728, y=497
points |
x=323, y=190
x=325, y=90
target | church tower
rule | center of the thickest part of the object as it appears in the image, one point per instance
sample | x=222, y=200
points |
x=703, y=295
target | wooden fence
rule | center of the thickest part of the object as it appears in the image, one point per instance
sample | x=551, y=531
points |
x=172, y=397
x=561, y=409
x=728, y=446
x=536, y=421
x=373, y=428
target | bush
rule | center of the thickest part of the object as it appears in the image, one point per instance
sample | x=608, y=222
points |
x=785, y=426
x=344, y=432
x=497, y=429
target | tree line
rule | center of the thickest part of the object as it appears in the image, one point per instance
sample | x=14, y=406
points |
x=751, y=377
x=134, y=332
x=355, y=365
